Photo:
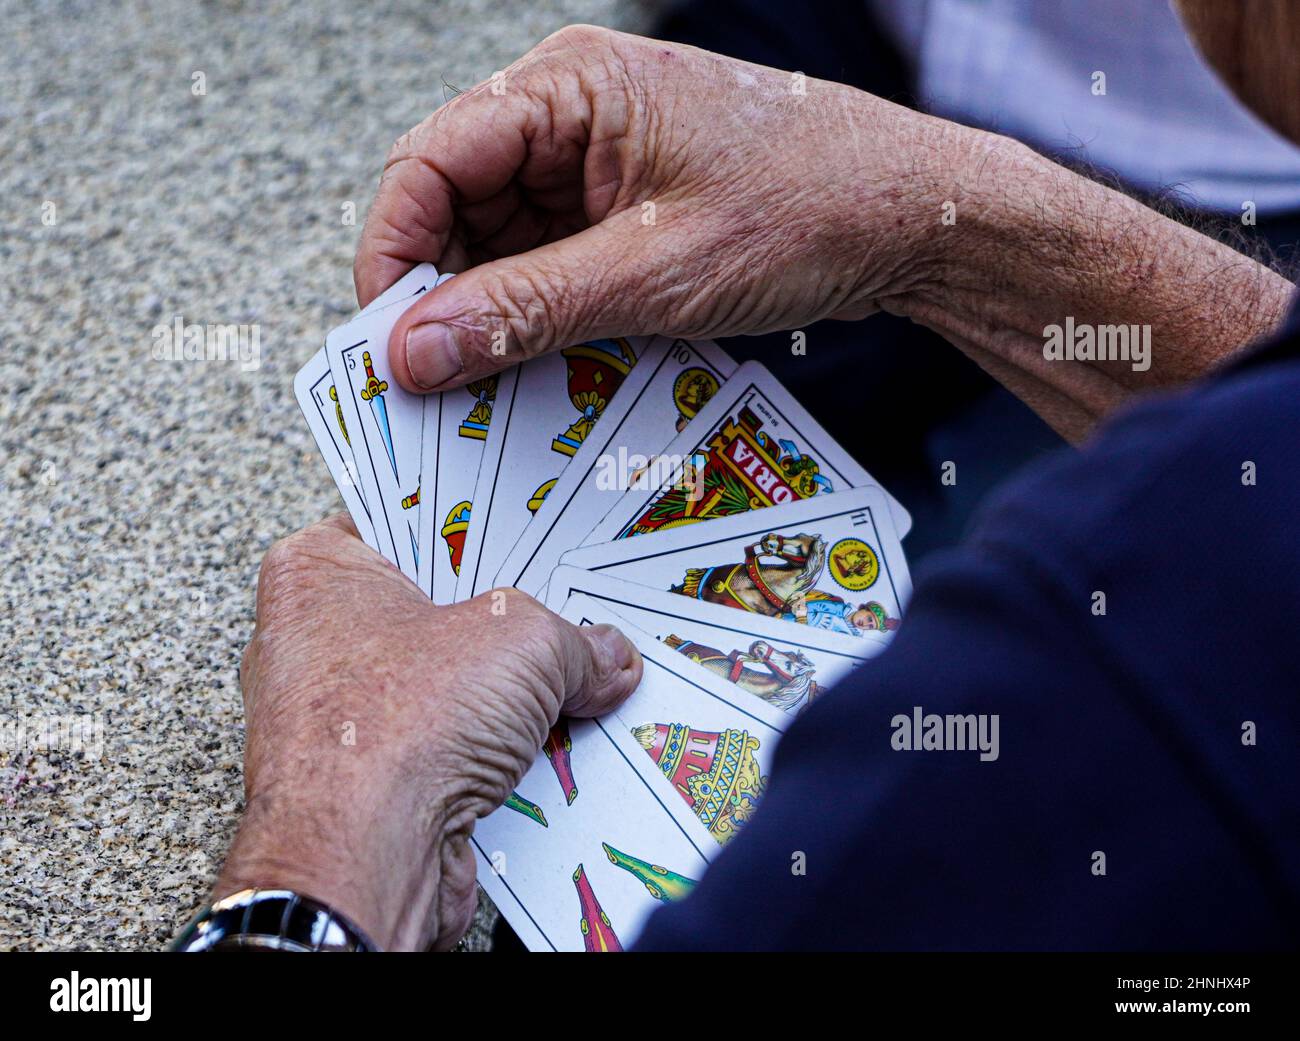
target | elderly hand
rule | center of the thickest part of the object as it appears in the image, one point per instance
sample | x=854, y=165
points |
x=381, y=727
x=607, y=184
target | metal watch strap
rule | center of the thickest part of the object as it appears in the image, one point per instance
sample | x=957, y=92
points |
x=271, y=920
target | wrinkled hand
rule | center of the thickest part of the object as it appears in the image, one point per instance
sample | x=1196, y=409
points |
x=381, y=727
x=606, y=184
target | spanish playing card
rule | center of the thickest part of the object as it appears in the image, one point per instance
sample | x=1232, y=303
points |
x=385, y=424
x=318, y=399
x=787, y=667
x=455, y=430
x=831, y=562
x=672, y=381
x=545, y=410
x=623, y=813
x=752, y=446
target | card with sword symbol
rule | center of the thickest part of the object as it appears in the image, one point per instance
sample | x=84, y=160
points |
x=385, y=425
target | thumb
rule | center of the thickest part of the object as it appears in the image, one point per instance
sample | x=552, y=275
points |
x=495, y=315
x=603, y=667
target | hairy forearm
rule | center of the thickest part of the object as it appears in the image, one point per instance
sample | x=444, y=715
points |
x=1039, y=256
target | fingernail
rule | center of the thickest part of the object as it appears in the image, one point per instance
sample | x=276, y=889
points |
x=617, y=646
x=432, y=354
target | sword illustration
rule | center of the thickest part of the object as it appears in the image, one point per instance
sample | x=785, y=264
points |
x=373, y=392
x=662, y=883
x=531, y=810
x=597, y=932
x=557, y=748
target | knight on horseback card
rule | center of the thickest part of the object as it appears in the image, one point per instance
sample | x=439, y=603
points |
x=830, y=562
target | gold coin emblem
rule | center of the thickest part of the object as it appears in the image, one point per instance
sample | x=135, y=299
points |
x=853, y=564
x=692, y=390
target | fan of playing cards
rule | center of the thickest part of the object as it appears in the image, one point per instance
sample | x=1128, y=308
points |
x=585, y=477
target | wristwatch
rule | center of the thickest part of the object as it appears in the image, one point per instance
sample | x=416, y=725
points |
x=271, y=920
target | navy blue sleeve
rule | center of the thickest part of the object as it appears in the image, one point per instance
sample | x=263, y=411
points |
x=1119, y=734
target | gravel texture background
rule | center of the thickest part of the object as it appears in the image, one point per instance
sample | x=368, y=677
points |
x=138, y=495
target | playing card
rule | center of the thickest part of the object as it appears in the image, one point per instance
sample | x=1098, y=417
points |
x=544, y=412
x=386, y=424
x=623, y=813
x=314, y=389
x=831, y=562
x=710, y=739
x=786, y=666
x=752, y=446
x=414, y=281
x=455, y=429
x=589, y=843
x=489, y=458
x=671, y=382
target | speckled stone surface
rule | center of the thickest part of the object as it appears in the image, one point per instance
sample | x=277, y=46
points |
x=138, y=496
